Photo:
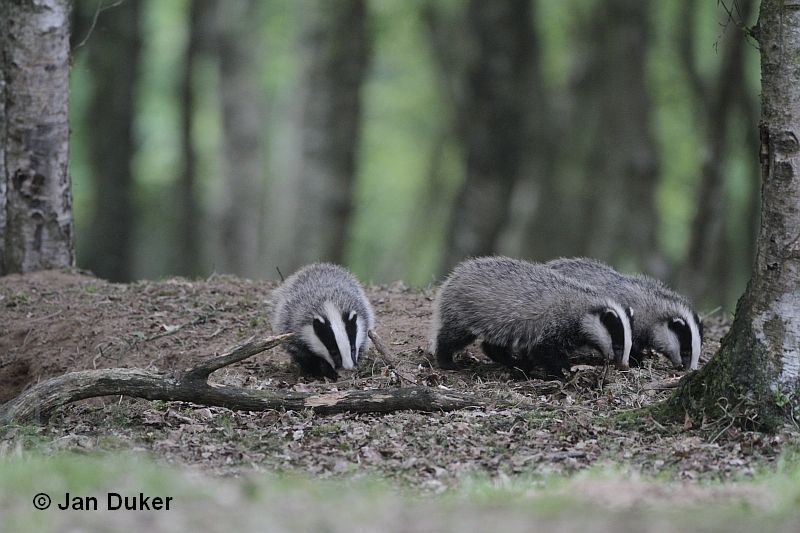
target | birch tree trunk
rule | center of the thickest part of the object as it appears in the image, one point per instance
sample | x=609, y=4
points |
x=335, y=52
x=755, y=376
x=243, y=130
x=113, y=53
x=35, y=66
x=492, y=123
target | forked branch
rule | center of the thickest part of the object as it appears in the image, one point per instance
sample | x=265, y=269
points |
x=192, y=386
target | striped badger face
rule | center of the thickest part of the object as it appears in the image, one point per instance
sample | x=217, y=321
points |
x=335, y=336
x=608, y=330
x=680, y=339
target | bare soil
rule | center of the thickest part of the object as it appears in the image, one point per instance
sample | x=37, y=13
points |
x=55, y=322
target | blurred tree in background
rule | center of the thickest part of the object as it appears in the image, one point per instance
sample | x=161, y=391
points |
x=333, y=55
x=113, y=64
x=398, y=137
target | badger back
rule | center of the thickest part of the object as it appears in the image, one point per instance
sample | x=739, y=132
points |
x=326, y=307
x=663, y=319
x=511, y=302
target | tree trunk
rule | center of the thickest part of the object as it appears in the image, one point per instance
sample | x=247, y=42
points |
x=35, y=51
x=3, y=31
x=243, y=127
x=755, y=377
x=187, y=260
x=335, y=52
x=619, y=195
x=707, y=242
x=537, y=202
x=113, y=56
x=495, y=87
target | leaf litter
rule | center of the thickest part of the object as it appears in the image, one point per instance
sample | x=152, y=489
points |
x=55, y=322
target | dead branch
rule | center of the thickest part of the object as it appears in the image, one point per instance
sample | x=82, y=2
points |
x=192, y=386
x=383, y=353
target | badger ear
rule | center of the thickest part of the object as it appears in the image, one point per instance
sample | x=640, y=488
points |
x=676, y=324
x=608, y=314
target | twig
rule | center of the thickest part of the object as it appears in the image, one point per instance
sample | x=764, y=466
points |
x=664, y=384
x=380, y=347
x=176, y=329
x=100, y=9
x=248, y=349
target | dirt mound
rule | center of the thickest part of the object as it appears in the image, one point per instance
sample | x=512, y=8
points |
x=54, y=322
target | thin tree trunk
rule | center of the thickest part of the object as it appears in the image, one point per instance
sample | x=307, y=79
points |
x=755, y=377
x=188, y=234
x=113, y=56
x=495, y=84
x=541, y=210
x=243, y=128
x=707, y=233
x=36, y=53
x=3, y=31
x=335, y=48
x=623, y=162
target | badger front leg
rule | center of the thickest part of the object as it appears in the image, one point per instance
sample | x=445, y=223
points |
x=499, y=354
x=311, y=364
x=449, y=341
x=552, y=358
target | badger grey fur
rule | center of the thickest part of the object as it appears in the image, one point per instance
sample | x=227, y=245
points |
x=329, y=313
x=663, y=320
x=525, y=314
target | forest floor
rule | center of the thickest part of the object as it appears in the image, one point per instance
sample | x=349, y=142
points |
x=54, y=322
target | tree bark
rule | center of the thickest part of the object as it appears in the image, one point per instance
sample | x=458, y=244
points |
x=192, y=386
x=243, y=127
x=755, y=377
x=35, y=54
x=335, y=51
x=493, y=127
x=113, y=56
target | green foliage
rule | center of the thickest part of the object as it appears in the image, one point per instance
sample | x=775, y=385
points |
x=395, y=234
x=296, y=503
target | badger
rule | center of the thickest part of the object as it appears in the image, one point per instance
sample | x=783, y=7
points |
x=664, y=320
x=525, y=314
x=329, y=313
